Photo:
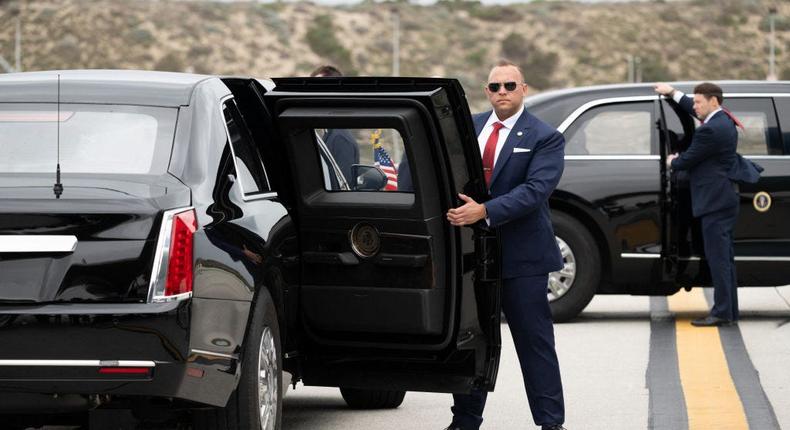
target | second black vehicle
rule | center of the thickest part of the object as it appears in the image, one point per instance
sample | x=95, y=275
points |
x=624, y=223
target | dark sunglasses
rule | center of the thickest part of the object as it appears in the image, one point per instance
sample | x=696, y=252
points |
x=494, y=86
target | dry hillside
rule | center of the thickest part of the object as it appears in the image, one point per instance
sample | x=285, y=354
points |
x=559, y=43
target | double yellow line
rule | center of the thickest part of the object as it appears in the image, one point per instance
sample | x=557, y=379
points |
x=712, y=401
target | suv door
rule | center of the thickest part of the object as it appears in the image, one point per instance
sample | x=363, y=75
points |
x=391, y=295
x=762, y=235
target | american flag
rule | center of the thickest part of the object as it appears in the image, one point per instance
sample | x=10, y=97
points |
x=383, y=161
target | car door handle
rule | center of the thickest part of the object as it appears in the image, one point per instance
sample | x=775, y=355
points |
x=402, y=260
x=336, y=258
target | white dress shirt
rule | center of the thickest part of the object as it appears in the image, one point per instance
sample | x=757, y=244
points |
x=508, y=125
x=677, y=95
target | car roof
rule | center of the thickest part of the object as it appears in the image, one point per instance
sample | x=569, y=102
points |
x=554, y=106
x=137, y=87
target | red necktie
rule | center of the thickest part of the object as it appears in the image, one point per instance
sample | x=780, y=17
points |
x=732, y=117
x=490, y=151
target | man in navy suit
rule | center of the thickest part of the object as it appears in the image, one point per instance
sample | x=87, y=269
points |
x=339, y=141
x=710, y=161
x=523, y=159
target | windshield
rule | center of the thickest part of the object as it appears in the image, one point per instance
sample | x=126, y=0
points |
x=118, y=139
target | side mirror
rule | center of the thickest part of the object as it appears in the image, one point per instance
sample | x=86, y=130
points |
x=368, y=178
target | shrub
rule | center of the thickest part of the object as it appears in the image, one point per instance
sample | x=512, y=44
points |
x=170, y=63
x=322, y=40
x=538, y=66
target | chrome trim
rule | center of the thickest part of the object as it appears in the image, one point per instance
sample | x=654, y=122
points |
x=88, y=309
x=743, y=258
x=259, y=196
x=639, y=255
x=233, y=156
x=341, y=179
x=213, y=354
x=767, y=157
x=591, y=104
x=761, y=258
x=156, y=288
x=38, y=243
x=760, y=95
x=614, y=157
x=78, y=363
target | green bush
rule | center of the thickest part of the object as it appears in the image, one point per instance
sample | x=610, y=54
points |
x=495, y=13
x=538, y=66
x=141, y=36
x=781, y=23
x=322, y=40
x=655, y=70
x=170, y=63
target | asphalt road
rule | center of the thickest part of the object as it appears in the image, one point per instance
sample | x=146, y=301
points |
x=627, y=363
x=621, y=370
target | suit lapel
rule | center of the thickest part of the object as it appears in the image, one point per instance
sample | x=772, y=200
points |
x=513, y=138
x=480, y=120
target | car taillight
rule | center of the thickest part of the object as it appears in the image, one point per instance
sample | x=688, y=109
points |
x=179, y=264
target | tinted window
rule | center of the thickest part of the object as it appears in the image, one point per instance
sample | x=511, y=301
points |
x=760, y=134
x=93, y=138
x=249, y=168
x=615, y=129
x=344, y=153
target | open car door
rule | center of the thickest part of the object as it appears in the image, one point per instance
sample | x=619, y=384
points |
x=668, y=141
x=392, y=297
x=681, y=236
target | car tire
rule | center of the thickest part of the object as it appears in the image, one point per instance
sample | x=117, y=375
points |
x=372, y=399
x=261, y=351
x=582, y=261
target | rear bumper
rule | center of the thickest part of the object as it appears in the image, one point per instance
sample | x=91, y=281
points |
x=161, y=350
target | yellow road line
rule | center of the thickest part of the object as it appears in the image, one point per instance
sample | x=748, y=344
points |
x=712, y=402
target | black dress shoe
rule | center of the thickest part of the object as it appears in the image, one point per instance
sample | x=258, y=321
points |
x=554, y=427
x=452, y=427
x=711, y=321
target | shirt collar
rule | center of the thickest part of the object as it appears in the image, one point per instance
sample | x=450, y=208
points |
x=710, y=115
x=509, y=122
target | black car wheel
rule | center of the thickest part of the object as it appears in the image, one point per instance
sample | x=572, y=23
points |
x=257, y=401
x=372, y=399
x=572, y=288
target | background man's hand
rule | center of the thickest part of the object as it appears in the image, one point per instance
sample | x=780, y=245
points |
x=664, y=89
x=468, y=213
x=671, y=157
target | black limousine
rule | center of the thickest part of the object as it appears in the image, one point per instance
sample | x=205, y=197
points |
x=624, y=223
x=175, y=241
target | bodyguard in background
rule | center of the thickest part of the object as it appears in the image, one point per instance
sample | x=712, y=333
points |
x=339, y=141
x=709, y=161
x=523, y=160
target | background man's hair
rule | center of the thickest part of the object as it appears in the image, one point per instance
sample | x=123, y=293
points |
x=326, y=70
x=505, y=63
x=709, y=90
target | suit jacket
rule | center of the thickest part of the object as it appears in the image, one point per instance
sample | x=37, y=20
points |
x=344, y=150
x=525, y=174
x=709, y=160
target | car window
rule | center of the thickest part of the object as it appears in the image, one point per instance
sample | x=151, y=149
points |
x=107, y=139
x=614, y=129
x=760, y=133
x=363, y=159
x=249, y=167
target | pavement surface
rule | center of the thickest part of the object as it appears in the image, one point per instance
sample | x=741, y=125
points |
x=627, y=363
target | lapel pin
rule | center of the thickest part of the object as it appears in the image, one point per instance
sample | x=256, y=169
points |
x=519, y=134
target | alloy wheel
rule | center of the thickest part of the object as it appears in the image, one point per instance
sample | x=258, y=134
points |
x=268, y=387
x=560, y=282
